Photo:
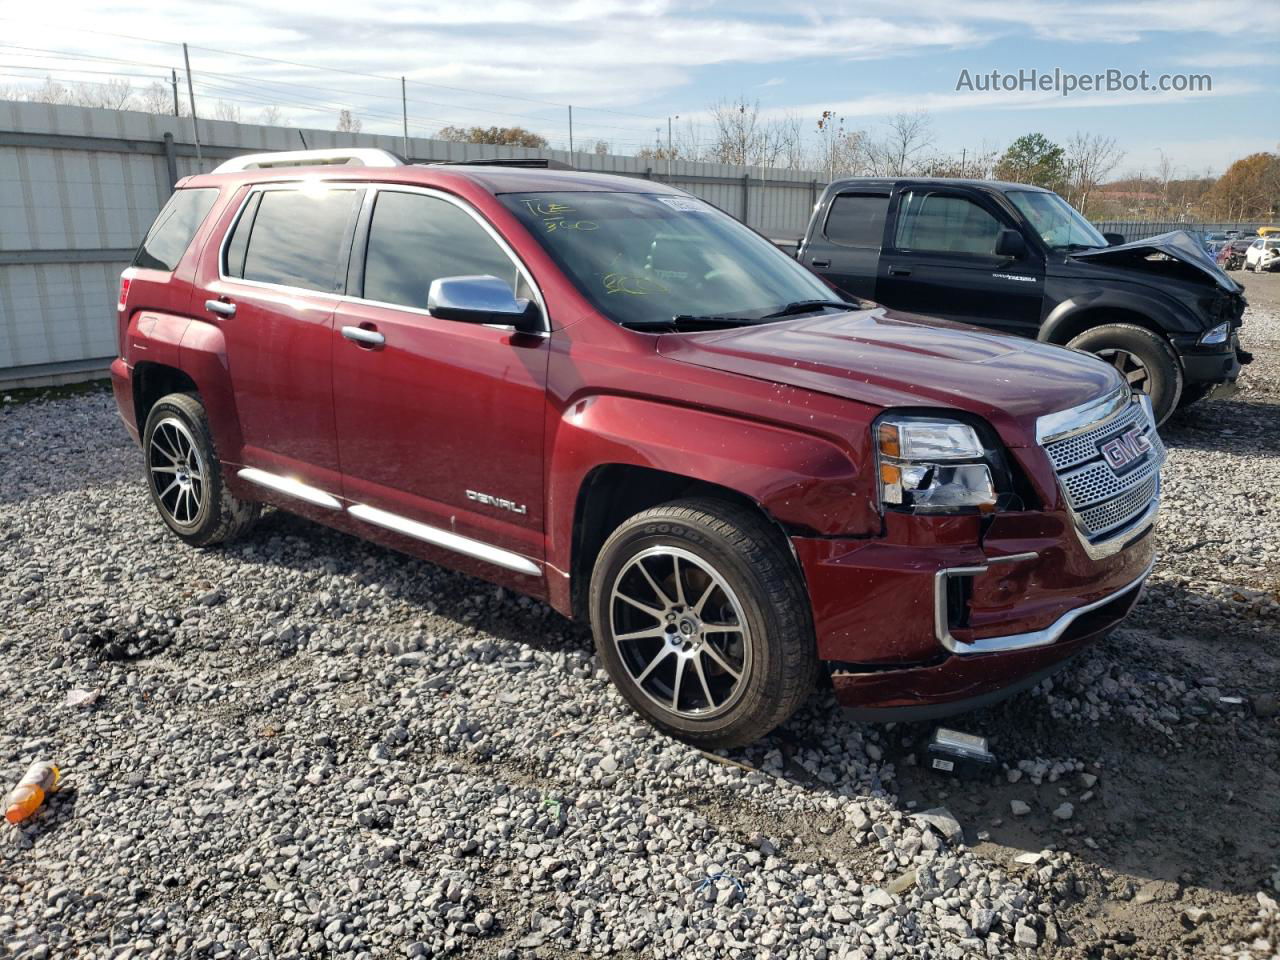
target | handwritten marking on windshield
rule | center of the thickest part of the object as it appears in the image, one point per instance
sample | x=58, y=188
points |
x=1014, y=276
x=633, y=286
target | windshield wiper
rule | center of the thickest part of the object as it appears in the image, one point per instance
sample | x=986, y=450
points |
x=804, y=306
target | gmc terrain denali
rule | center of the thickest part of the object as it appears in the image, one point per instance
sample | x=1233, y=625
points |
x=606, y=394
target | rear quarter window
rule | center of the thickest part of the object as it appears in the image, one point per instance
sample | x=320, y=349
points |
x=176, y=225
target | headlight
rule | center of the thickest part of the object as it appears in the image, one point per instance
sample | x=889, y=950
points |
x=1218, y=334
x=923, y=466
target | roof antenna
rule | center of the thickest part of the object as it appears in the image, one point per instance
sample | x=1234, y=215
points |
x=304, y=141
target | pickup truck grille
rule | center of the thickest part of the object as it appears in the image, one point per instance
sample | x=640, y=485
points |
x=1107, y=499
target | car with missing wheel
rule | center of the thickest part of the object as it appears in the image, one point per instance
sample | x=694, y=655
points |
x=606, y=394
x=1020, y=259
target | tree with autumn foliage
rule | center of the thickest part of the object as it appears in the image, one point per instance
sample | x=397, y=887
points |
x=1250, y=188
x=501, y=136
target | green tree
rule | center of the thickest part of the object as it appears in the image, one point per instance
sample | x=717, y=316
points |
x=1032, y=158
x=502, y=136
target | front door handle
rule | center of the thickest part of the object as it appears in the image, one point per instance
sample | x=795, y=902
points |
x=821, y=263
x=899, y=272
x=221, y=307
x=366, y=338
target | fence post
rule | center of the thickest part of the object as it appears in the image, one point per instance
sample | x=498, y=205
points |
x=813, y=193
x=171, y=160
x=648, y=173
x=746, y=196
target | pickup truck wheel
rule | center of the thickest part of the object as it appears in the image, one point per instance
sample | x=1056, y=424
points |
x=184, y=475
x=1143, y=358
x=703, y=623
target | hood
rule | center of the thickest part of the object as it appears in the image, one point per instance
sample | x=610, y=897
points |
x=888, y=359
x=1178, y=245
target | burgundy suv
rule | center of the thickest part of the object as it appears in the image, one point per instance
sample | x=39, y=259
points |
x=607, y=394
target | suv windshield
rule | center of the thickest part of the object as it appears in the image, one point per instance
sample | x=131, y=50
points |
x=1057, y=222
x=650, y=260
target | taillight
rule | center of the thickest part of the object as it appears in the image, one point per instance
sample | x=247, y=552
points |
x=126, y=278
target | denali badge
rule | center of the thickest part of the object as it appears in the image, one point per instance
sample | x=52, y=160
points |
x=1125, y=450
x=497, y=502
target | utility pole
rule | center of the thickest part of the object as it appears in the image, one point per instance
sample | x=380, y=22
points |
x=669, y=150
x=173, y=80
x=191, y=93
x=404, y=112
x=571, y=128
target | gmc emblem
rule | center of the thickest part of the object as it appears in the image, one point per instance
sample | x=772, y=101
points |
x=1125, y=450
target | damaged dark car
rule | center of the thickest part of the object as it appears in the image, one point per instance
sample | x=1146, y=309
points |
x=1020, y=259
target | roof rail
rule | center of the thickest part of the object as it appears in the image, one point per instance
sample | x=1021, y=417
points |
x=348, y=156
x=526, y=162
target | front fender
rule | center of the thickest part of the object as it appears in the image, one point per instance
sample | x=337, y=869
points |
x=804, y=482
x=1165, y=313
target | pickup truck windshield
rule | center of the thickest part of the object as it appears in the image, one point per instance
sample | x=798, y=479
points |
x=657, y=260
x=1057, y=222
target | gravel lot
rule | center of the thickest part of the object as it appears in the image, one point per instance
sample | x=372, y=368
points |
x=307, y=746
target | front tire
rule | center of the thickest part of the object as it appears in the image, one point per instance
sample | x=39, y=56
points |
x=703, y=623
x=1142, y=357
x=184, y=475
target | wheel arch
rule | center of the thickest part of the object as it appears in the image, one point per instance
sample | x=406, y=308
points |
x=612, y=492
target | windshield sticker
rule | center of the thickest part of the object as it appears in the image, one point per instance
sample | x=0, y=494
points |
x=684, y=204
x=633, y=286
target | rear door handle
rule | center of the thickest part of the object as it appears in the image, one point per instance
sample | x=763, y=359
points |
x=366, y=338
x=221, y=307
x=820, y=263
x=899, y=272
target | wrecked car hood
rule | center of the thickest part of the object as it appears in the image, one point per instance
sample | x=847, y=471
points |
x=1177, y=245
x=885, y=358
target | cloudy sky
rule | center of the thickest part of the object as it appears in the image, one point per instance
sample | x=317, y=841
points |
x=627, y=66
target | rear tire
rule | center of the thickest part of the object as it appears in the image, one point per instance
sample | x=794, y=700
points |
x=1144, y=359
x=703, y=623
x=184, y=475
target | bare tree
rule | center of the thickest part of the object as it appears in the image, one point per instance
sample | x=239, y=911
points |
x=908, y=136
x=223, y=110
x=601, y=148
x=1090, y=158
x=348, y=122
x=115, y=94
x=271, y=117
x=156, y=97
x=743, y=137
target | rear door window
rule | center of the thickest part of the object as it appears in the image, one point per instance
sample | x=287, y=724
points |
x=295, y=238
x=945, y=223
x=176, y=225
x=857, y=219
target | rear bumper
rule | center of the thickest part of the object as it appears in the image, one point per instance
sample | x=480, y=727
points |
x=122, y=387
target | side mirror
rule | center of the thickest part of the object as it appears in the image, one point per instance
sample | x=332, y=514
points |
x=481, y=299
x=1010, y=243
x=1114, y=239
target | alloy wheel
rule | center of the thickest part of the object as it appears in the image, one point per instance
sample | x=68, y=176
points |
x=680, y=631
x=177, y=472
x=1130, y=366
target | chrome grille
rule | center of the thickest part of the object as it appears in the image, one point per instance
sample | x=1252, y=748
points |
x=1104, y=502
x=1074, y=450
x=1096, y=481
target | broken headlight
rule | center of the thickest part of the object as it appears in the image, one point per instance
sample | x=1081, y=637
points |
x=931, y=465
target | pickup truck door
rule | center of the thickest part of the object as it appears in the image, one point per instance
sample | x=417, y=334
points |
x=845, y=247
x=439, y=422
x=939, y=261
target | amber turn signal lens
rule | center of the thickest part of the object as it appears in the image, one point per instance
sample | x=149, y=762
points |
x=890, y=473
x=890, y=443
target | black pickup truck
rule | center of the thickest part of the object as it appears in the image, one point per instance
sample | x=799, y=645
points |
x=1020, y=259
